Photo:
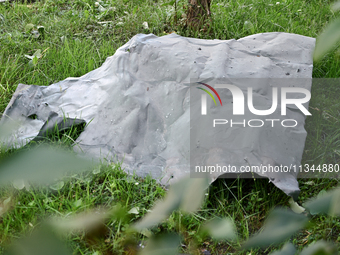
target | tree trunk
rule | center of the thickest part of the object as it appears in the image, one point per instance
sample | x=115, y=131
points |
x=197, y=13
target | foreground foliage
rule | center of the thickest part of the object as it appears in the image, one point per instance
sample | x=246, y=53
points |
x=47, y=41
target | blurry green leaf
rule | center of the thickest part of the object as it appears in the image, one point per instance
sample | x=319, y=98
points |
x=85, y=221
x=295, y=206
x=29, y=27
x=279, y=226
x=6, y=129
x=134, y=10
x=146, y=232
x=320, y=248
x=336, y=6
x=194, y=194
x=78, y=203
x=134, y=210
x=186, y=194
x=37, y=54
x=90, y=64
x=30, y=64
x=96, y=170
x=287, y=249
x=48, y=200
x=166, y=244
x=42, y=241
x=86, y=14
x=169, y=3
x=326, y=203
x=19, y=184
x=322, y=193
x=35, y=60
x=42, y=164
x=327, y=40
x=221, y=229
x=249, y=26
x=5, y=206
x=160, y=212
x=6, y=201
x=101, y=8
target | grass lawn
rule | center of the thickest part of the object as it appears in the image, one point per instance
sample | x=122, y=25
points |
x=77, y=37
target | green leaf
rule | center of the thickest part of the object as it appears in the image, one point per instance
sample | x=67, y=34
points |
x=19, y=184
x=134, y=210
x=84, y=221
x=326, y=203
x=35, y=61
x=249, y=26
x=336, y=6
x=29, y=27
x=37, y=54
x=90, y=64
x=42, y=164
x=34, y=58
x=5, y=206
x=221, y=229
x=295, y=206
x=187, y=194
x=78, y=203
x=135, y=10
x=96, y=170
x=320, y=248
x=30, y=64
x=57, y=186
x=194, y=194
x=169, y=3
x=280, y=225
x=41, y=242
x=166, y=244
x=327, y=40
x=287, y=249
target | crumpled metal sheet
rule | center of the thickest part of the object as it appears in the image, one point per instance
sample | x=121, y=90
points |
x=136, y=105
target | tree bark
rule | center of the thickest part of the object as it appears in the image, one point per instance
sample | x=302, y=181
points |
x=197, y=13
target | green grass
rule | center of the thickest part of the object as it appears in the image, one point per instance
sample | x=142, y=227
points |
x=78, y=38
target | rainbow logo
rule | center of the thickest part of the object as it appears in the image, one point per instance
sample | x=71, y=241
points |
x=209, y=93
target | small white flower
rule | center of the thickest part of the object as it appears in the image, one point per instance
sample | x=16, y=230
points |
x=96, y=4
x=136, y=183
x=145, y=25
x=277, y=3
